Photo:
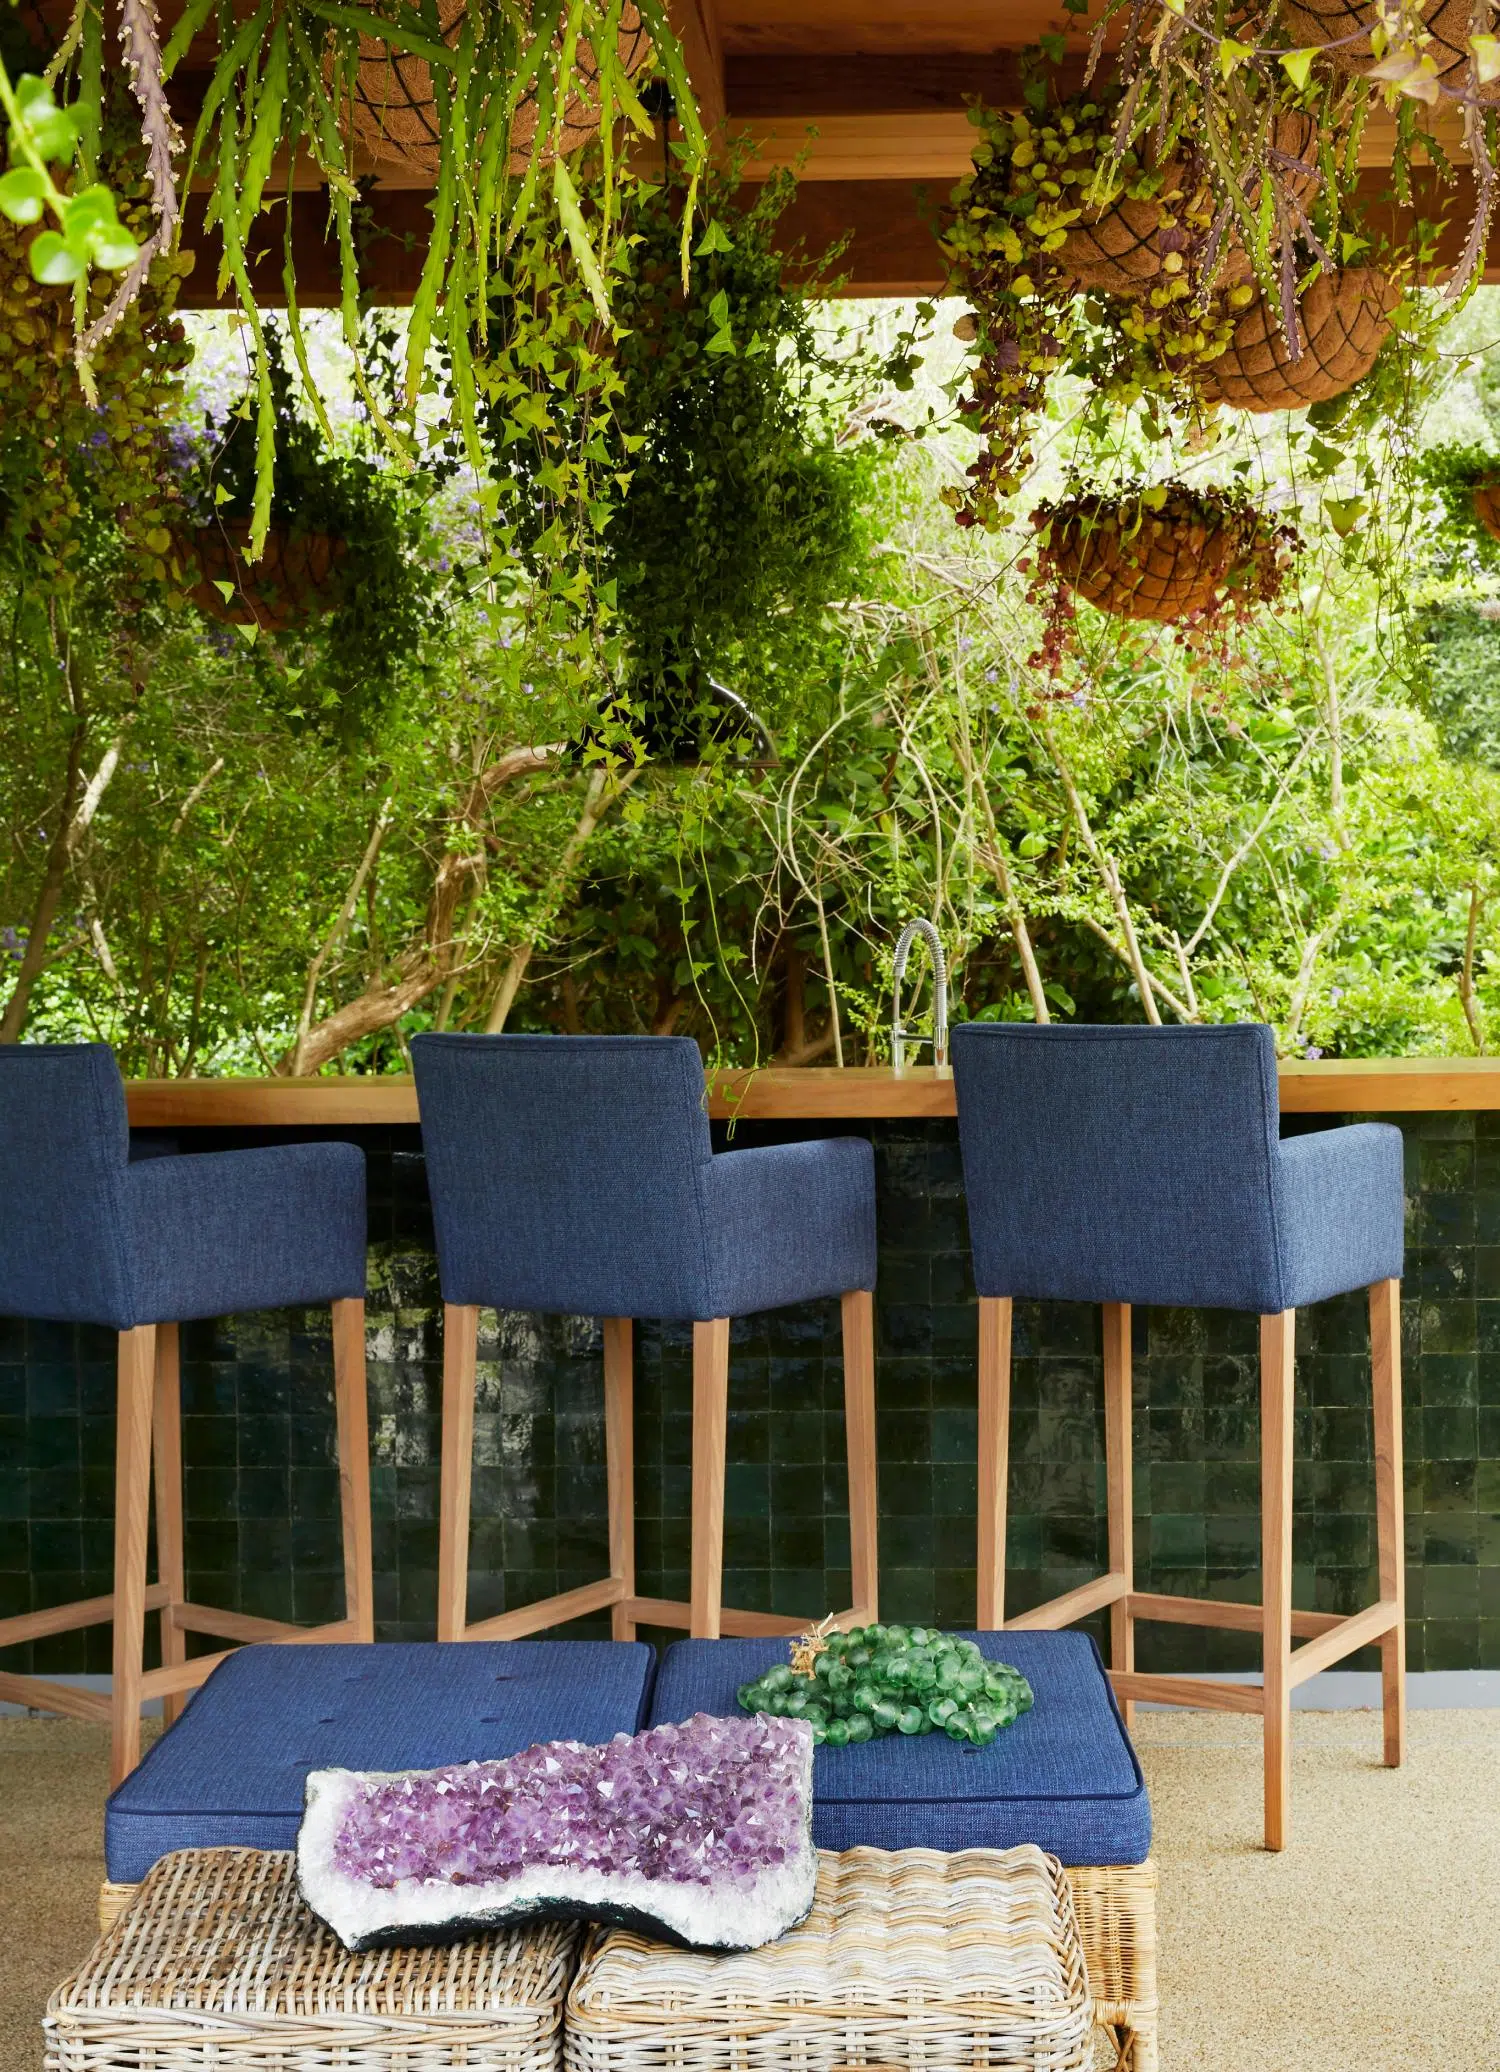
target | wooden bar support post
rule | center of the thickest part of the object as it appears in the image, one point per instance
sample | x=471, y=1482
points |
x=1385, y=1357
x=1277, y=1369
x=710, y=1435
x=135, y=1391
x=619, y=1460
x=460, y=1355
x=859, y=1431
x=994, y=1455
x=352, y=1416
x=1120, y=1482
x=166, y=1448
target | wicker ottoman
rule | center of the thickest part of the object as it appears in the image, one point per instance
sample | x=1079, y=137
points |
x=913, y=1959
x=218, y=1964
x=1064, y=1777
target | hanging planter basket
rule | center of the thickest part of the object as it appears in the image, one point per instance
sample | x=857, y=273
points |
x=1342, y=29
x=394, y=110
x=1344, y=324
x=1130, y=242
x=1172, y=554
x=292, y=582
x=1487, y=506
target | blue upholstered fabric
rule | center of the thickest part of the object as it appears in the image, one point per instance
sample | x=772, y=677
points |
x=230, y=1773
x=88, y=1235
x=575, y=1173
x=1144, y=1165
x=1064, y=1776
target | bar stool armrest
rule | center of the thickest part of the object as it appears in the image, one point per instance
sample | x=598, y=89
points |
x=1340, y=1211
x=789, y=1223
x=215, y=1232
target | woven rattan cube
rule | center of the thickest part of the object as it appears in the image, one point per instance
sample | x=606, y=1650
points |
x=910, y=1958
x=217, y=1963
x=1116, y=1909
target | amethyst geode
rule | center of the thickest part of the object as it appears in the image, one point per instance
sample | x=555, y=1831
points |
x=700, y=1834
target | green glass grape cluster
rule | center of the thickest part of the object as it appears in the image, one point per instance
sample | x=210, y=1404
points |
x=876, y=1680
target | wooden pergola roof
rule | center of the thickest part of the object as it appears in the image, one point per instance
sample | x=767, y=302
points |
x=881, y=84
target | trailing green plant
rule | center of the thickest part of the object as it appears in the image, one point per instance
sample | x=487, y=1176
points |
x=748, y=463
x=287, y=88
x=86, y=464
x=379, y=600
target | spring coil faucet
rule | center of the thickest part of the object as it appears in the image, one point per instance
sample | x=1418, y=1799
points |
x=901, y=1037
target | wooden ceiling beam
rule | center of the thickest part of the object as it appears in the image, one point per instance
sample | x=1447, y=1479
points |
x=892, y=248
x=697, y=25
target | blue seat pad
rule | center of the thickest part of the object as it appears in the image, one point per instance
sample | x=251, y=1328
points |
x=230, y=1773
x=1064, y=1776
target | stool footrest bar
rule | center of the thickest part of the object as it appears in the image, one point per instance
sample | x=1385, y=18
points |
x=186, y=1676
x=1188, y=1690
x=733, y=1624
x=241, y=1626
x=1074, y=1604
x=1342, y=1639
x=67, y=1618
x=549, y=1611
x=71, y=1702
x=1219, y=1611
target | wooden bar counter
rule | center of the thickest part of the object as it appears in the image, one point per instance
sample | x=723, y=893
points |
x=1354, y=1086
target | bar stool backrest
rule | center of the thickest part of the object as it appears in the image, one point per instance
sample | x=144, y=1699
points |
x=64, y=1147
x=565, y=1171
x=1109, y=1164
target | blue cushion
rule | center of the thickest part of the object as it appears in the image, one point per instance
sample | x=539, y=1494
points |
x=92, y=1234
x=1064, y=1776
x=1106, y=1164
x=230, y=1773
x=575, y=1174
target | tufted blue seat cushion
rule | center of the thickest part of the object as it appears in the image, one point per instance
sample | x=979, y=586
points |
x=230, y=1773
x=575, y=1174
x=1064, y=1776
x=1145, y=1165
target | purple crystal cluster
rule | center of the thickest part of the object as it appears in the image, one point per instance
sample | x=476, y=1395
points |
x=714, y=1802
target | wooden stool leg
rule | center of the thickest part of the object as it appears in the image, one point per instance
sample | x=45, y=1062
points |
x=166, y=1449
x=994, y=1455
x=460, y=1352
x=859, y=1435
x=352, y=1415
x=619, y=1456
x=1277, y=1365
x=1385, y=1358
x=135, y=1388
x=710, y=1431
x=1119, y=1479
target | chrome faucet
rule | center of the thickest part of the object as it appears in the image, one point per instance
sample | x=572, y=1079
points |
x=900, y=1036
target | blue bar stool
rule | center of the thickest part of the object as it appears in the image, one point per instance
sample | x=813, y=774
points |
x=574, y=1174
x=86, y=1237
x=1144, y=1165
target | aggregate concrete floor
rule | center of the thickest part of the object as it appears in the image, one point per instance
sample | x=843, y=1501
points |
x=1373, y=1942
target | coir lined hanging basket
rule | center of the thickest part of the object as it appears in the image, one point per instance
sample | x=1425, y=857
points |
x=394, y=108
x=1344, y=323
x=1487, y=506
x=291, y=583
x=1121, y=248
x=1342, y=28
x=1179, y=560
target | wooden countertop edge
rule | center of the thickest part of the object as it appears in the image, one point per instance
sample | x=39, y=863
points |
x=1370, y=1086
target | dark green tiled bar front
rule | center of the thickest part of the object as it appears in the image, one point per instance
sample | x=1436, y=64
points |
x=261, y=1489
